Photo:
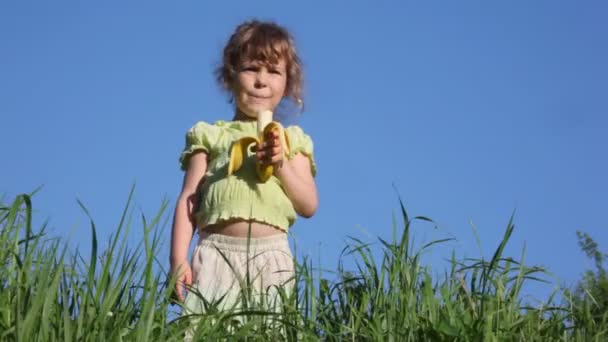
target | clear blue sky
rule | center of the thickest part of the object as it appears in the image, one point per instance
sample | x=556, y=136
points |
x=472, y=109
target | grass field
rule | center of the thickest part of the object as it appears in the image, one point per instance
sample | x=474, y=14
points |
x=51, y=293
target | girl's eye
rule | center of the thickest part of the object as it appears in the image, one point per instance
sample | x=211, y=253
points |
x=275, y=71
x=251, y=68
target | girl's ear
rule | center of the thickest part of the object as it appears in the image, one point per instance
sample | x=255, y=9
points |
x=233, y=88
x=231, y=92
x=287, y=91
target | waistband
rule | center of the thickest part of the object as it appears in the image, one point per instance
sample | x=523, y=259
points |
x=240, y=244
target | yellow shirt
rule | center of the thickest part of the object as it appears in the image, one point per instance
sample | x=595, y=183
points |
x=240, y=195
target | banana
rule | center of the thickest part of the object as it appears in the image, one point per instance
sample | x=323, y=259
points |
x=239, y=149
x=264, y=118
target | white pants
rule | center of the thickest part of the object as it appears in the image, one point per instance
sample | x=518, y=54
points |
x=224, y=267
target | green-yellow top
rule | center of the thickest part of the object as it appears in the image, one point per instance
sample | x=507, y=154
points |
x=241, y=195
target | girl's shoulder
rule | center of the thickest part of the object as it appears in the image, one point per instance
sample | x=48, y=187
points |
x=217, y=125
x=202, y=126
x=300, y=142
x=228, y=126
x=297, y=132
x=220, y=127
x=203, y=130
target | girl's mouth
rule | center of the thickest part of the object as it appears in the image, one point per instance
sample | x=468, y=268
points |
x=259, y=97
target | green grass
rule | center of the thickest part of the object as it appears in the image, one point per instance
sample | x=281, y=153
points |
x=50, y=293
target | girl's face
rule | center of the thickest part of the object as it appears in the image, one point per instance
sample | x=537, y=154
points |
x=259, y=86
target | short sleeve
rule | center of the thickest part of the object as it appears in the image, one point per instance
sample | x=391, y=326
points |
x=201, y=137
x=300, y=142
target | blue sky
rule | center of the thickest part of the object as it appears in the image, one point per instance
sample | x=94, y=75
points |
x=472, y=110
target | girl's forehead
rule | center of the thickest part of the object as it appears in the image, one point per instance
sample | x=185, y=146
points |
x=280, y=62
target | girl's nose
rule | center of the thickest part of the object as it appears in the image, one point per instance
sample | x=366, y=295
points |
x=261, y=78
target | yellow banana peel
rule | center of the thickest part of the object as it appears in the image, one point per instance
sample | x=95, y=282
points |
x=239, y=150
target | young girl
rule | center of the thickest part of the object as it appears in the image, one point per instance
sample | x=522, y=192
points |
x=242, y=220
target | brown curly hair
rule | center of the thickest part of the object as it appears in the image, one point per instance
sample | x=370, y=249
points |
x=266, y=42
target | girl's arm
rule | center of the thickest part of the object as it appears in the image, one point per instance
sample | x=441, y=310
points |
x=184, y=224
x=295, y=175
x=297, y=180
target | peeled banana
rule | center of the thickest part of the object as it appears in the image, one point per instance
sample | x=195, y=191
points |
x=239, y=149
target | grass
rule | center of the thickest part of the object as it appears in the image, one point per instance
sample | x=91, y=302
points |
x=50, y=293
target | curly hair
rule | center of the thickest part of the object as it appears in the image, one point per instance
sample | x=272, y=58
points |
x=266, y=42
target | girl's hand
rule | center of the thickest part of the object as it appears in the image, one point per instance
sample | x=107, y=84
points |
x=271, y=151
x=184, y=279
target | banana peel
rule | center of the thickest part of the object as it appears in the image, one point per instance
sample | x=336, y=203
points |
x=240, y=148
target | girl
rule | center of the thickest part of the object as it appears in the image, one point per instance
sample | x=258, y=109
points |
x=243, y=221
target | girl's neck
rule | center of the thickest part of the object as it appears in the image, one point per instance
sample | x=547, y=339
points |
x=240, y=116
